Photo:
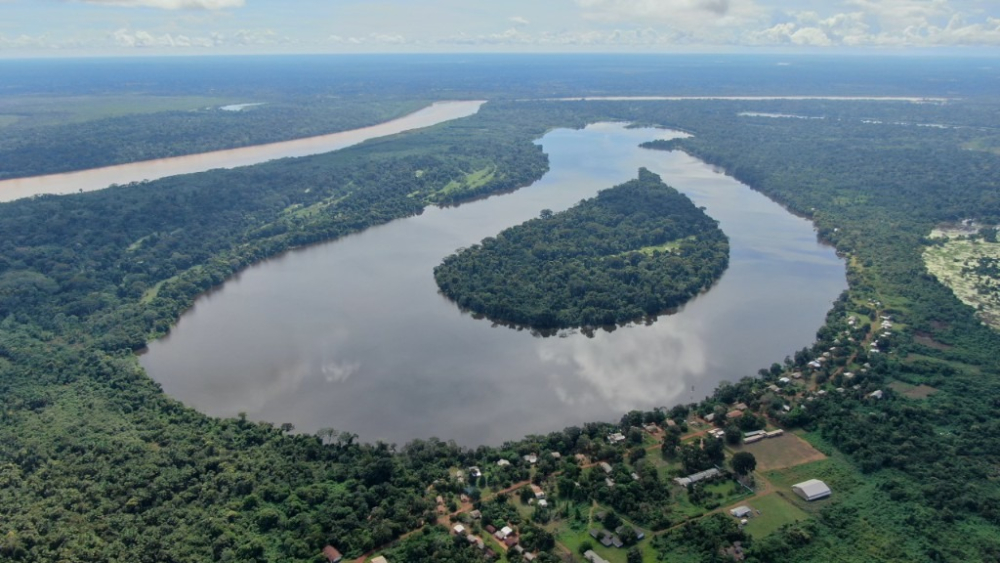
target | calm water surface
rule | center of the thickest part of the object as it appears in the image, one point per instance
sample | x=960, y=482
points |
x=353, y=334
x=100, y=178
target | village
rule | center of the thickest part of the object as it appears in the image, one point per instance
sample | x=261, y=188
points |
x=617, y=493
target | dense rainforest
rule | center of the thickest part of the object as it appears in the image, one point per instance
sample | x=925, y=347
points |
x=635, y=250
x=97, y=464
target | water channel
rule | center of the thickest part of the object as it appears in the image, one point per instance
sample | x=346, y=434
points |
x=100, y=178
x=353, y=335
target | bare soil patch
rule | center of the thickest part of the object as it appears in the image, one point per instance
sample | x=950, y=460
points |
x=913, y=391
x=784, y=451
x=925, y=339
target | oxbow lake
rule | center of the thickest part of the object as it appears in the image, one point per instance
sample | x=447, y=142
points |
x=353, y=334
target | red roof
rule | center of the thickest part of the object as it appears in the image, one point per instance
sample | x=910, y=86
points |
x=331, y=554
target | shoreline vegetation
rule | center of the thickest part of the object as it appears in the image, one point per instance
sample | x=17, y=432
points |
x=633, y=252
x=97, y=464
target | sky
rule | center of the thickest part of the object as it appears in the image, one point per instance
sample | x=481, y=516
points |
x=176, y=27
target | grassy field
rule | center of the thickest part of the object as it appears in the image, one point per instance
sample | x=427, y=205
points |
x=912, y=391
x=471, y=181
x=946, y=262
x=785, y=451
x=775, y=512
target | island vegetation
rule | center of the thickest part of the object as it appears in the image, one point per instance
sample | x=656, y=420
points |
x=895, y=406
x=633, y=251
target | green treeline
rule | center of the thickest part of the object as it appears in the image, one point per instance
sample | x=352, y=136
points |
x=61, y=147
x=635, y=250
x=97, y=464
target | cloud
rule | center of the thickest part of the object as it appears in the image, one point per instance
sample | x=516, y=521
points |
x=518, y=20
x=370, y=39
x=127, y=38
x=171, y=4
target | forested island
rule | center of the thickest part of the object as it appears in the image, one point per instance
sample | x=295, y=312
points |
x=895, y=406
x=635, y=250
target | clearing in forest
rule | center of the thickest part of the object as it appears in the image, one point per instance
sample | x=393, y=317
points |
x=970, y=266
x=912, y=391
x=784, y=451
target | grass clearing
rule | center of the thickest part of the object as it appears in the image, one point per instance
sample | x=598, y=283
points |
x=775, y=512
x=784, y=451
x=953, y=264
x=671, y=246
x=912, y=391
x=472, y=180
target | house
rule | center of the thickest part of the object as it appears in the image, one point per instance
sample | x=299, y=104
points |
x=639, y=534
x=740, y=406
x=617, y=542
x=439, y=499
x=741, y=511
x=609, y=482
x=531, y=458
x=475, y=472
x=510, y=541
x=589, y=555
x=753, y=439
x=529, y=556
x=581, y=458
x=476, y=515
x=594, y=532
x=876, y=394
x=539, y=493
x=797, y=375
x=332, y=555
x=491, y=528
x=616, y=438
x=635, y=476
x=543, y=503
x=651, y=428
x=734, y=414
x=605, y=466
x=709, y=417
x=784, y=380
x=555, y=455
x=671, y=423
x=459, y=530
x=379, y=559
x=775, y=433
x=753, y=433
x=774, y=388
x=606, y=540
x=505, y=532
x=503, y=463
x=811, y=490
x=694, y=478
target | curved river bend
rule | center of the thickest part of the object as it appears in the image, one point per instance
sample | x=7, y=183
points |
x=353, y=334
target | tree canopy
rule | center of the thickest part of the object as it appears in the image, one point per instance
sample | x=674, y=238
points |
x=634, y=250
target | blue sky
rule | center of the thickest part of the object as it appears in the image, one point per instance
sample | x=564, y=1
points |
x=128, y=27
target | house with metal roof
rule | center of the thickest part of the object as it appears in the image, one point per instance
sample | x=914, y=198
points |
x=811, y=490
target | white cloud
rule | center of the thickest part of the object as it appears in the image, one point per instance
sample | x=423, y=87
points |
x=171, y=4
x=518, y=20
x=128, y=38
x=370, y=39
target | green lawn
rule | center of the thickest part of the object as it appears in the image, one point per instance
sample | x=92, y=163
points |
x=776, y=511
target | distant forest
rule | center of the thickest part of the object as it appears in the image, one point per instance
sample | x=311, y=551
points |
x=98, y=464
x=635, y=250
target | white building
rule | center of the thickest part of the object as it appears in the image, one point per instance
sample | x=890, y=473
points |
x=811, y=490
